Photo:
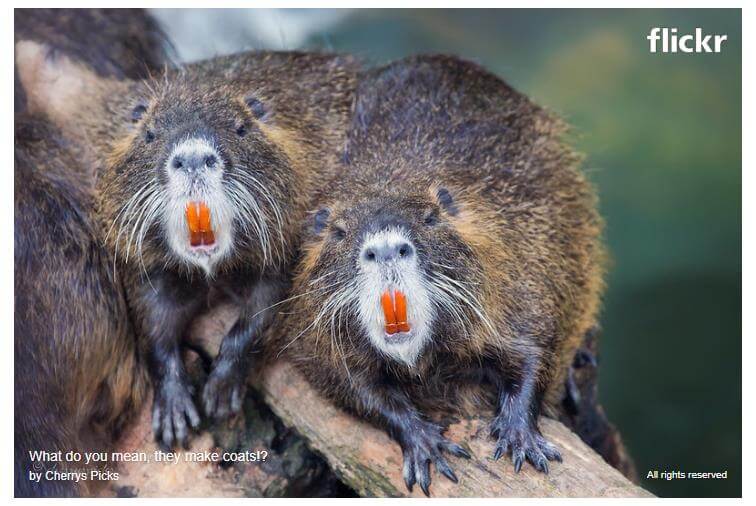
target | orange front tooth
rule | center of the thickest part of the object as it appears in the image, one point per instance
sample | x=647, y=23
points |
x=401, y=307
x=195, y=238
x=401, y=312
x=192, y=217
x=388, y=313
x=208, y=238
x=204, y=218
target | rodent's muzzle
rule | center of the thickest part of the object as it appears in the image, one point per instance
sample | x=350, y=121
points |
x=386, y=254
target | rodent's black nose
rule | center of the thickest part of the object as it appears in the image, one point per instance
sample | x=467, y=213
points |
x=193, y=160
x=386, y=252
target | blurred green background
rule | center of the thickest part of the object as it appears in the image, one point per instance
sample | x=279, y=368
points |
x=662, y=135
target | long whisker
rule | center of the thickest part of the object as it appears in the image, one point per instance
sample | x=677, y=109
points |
x=464, y=295
x=246, y=176
x=125, y=216
x=314, y=322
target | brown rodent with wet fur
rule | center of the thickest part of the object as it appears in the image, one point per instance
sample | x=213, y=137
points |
x=77, y=379
x=249, y=137
x=460, y=200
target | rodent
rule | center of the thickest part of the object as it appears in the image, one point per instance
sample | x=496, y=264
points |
x=76, y=372
x=116, y=43
x=453, y=265
x=204, y=176
x=78, y=379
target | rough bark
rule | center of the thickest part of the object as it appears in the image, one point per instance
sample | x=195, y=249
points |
x=315, y=448
x=367, y=460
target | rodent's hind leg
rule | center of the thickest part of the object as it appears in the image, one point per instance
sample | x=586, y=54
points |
x=516, y=424
x=226, y=386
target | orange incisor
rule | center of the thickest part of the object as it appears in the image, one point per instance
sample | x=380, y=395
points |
x=395, y=312
x=198, y=221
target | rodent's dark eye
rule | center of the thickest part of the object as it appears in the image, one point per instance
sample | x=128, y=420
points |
x=320, y=220
x=138, y=112
x=149, y=136
x=446, y=201
x=430, y=218
x=338, y=232
x=256, y=107
x=241, y=130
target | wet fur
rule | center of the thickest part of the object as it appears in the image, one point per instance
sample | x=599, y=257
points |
x=77, y=378
x=117, y=43
x=520, y=240
x=293, y=108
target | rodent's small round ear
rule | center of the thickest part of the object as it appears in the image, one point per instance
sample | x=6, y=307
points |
x=446, y=201
x=137, y=112
x=320, y=220
x=256, y=107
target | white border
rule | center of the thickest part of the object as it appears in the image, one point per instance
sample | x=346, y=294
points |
x=749, y=213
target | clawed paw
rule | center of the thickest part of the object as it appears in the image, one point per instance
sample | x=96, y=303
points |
x=523, y=442
x=422, y=445
x=172, y=408
x=223, y=392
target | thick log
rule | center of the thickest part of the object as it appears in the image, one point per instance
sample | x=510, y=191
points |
x=362, y=456
x=367, y=460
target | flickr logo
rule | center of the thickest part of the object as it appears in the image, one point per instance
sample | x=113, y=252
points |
x=671, y=42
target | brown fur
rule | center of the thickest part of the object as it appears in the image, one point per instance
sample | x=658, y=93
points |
x=77, y=376
x=309, y=96
x=117, y=43
x=522, y=236
x=306, y=100
x=77, y=379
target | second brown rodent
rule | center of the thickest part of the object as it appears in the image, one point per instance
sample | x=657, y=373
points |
x=460, y=201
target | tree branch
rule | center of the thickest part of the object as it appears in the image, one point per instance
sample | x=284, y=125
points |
x=362, y=456
x=370, y=462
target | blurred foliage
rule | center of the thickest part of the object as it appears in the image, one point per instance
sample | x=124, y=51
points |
x=662, y=136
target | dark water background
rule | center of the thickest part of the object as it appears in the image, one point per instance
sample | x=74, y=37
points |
x=662, y=136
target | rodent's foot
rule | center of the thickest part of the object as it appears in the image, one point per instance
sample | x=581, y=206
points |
x=524, y=441
x=171, y=408
x=421, y=445
x=224, y=391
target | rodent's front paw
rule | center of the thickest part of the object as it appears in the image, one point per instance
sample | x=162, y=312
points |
x=422, y=445
x=224, y=391
x=524, y=441
x=171, y=408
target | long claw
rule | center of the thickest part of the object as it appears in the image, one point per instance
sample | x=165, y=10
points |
x=457, y=450
x=424, y=479
x=518, y=459
x=236, y=402
x=409, y=474
x=538, y=460
x=156, y=420
x=443, y=468
x=168, y=430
